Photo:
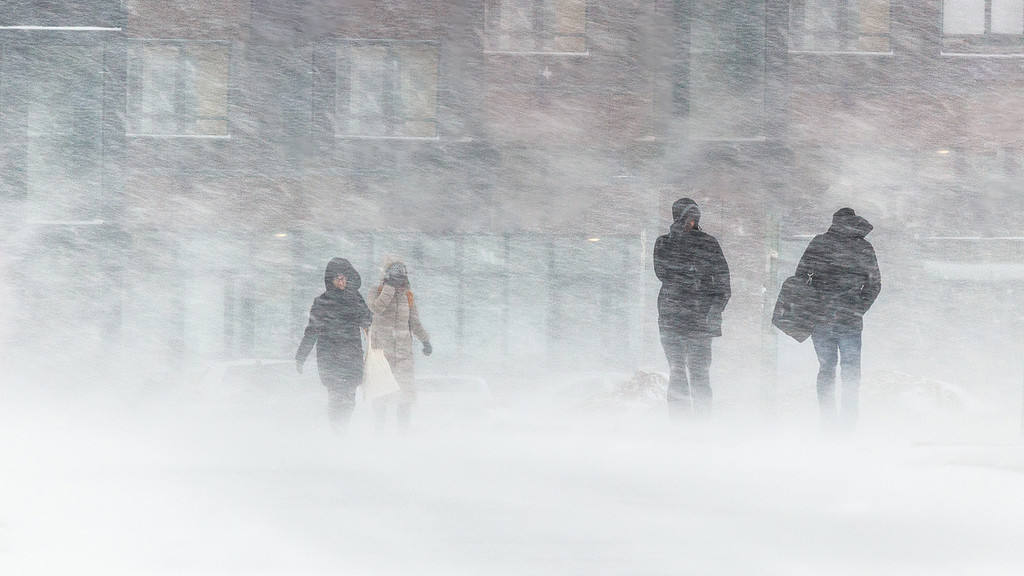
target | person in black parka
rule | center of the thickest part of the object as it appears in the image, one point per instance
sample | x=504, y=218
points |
x=335, y=320
x=841, y=266
x=695, y=288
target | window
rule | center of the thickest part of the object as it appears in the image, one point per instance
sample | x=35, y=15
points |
x=839, y=25
x=63, y=90
x=530, y=26
x=983, y=25
x=726, y=74
x=387, y=90
x=178, y=88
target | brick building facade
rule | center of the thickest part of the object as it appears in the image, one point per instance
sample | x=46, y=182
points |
x=200, y=161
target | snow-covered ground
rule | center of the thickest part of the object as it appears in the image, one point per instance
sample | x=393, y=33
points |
x=174, y=484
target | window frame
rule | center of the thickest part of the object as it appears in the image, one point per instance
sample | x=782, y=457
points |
x=848, y=31
x=540, y=32
x=987, y=43
x=391, y=90
x=179, y=88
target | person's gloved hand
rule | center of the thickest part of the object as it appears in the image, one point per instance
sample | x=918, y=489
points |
x=396, y=275
x=298, y=366
x=427, y=349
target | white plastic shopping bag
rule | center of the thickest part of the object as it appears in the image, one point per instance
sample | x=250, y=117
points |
x=378, y=380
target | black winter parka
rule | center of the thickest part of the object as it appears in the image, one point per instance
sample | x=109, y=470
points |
x=695, y=284
x=841, y=265
x=334, y=323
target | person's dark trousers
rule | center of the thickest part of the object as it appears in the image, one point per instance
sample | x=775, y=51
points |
x=838, y=345
x=341, y=401
x=688, y=353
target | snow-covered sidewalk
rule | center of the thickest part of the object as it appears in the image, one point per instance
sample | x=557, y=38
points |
x=182, y=489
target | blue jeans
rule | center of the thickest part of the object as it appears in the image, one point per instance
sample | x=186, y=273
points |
x=837, y=345
x=688, y=353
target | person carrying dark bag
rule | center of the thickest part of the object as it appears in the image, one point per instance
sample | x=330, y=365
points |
x=841, y=267
x=797, y=309
x=695, y=289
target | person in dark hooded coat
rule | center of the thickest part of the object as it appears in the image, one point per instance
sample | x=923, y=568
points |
x=334, y=327
x=841, y=266
x=695, y=288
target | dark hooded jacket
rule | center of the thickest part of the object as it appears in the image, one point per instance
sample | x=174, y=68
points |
x=841, y=265
x=334, y=323
x=694, y=274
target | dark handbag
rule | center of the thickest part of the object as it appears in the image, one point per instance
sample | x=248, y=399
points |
x=798, y=308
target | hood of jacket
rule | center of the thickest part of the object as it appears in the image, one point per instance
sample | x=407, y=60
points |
x=845, y=222
x=343, y=267
x=388, y=263
x=685, y=209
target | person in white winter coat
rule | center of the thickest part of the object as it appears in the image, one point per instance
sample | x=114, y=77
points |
x=396, y=321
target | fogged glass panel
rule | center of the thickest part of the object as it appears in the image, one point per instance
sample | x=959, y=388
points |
x=436, y=297
x=589, y=313
x=440, y=253
x=570, y=27
x=210, y=263
x=320, y=247
x=483, y=297
x=178, y=88
x=727, y=70
x=874, y=26
x=529, y=298
x=535, y=26
x=484, y=255
x=1007, y=16
x=416, y=105
x=272, y=337
x=387, y=90
x=726, y=26
x=435, y=284
x=839, y=25
x=963, y=16
x=63, y=91
x=402, y=246
x=365, y=106
x=822, y=22
x=727, y=95
x=268, y=286
x=515, y=25
x=206, y=88
x=153, y=89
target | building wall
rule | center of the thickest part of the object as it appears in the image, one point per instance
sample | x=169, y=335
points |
x=231, y=156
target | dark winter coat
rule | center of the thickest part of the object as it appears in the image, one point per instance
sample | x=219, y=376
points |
x=841, y=265
x=695, y=285
x=334, y=323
